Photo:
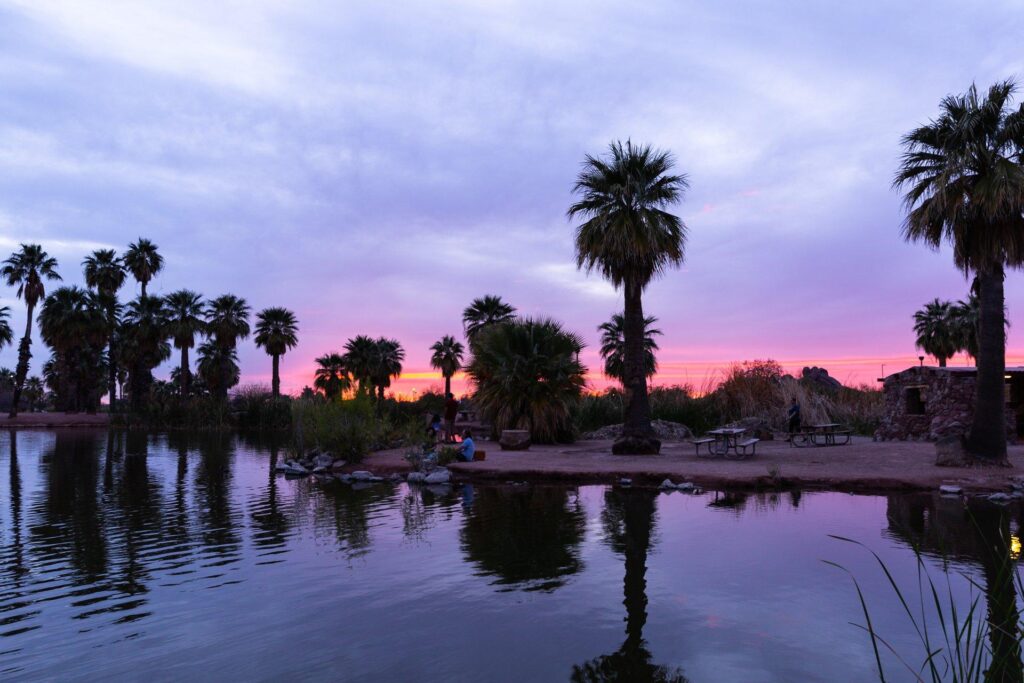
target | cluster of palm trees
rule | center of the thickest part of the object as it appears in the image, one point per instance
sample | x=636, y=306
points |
x=98, y=344
x=368, y=365
x=962, y=175
x=946, y=328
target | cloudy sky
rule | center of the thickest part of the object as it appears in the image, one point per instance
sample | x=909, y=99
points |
x=374, y=166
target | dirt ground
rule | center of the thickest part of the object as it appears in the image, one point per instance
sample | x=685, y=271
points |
x=863, y=465
x=46, y=420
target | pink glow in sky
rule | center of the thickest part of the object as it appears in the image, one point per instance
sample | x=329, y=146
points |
x=375, y=166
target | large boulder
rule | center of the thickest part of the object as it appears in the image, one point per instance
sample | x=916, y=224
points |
x=514, y=440
x=820, y=378
x=323, y=460
x=438, y=476
x=663, y=429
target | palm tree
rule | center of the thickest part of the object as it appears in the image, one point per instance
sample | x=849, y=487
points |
x=332, y=377
x=105, y=274
x=276, y=332
x=34, y=392
x=184, y=321
x=965, y=321
x=387, y=365
x=447, y=358
x=485, y=311
x=936, y=330
x=964, y=185
x=629, y=238
x=7, y=379
x=217, y=367
x=527, y=376
x=227, y=321
x=360, y=359
x=145, y=332
x=73, y=324
x=613, y=348
x=144, y=261
x=26, y=269
x=6, y=332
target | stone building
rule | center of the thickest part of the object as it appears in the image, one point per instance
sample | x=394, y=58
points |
x=929, y=403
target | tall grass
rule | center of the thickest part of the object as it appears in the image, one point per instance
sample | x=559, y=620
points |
x=347, y=429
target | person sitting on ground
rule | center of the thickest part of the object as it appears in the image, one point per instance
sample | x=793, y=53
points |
x=794, y=418
x=467, y=448
x=451, y=411
x=435, y=426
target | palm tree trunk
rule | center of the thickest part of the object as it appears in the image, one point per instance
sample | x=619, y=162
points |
x=24, y=354
x=275, y=382
x=143, y=283
x=111, y=357
x=637, y=434
x=184, y=373
x=942, y=361
x=447, y=384
x=987, y=438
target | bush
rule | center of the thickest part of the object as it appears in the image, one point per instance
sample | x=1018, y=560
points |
x=347, y=429
x=256, y=409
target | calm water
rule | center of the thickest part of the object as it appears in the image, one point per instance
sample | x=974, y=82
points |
x=134, y=557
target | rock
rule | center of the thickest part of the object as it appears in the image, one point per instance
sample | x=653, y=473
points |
x=344, y=478
x=1000, y=498
x=686, y=486
x=820, y=378
x=319, y=470
x=438, y=476
x=697, y=490
x=625, y=481
x=281, y=467
x=338, y=464
x=949, y=452
x=395, y=476
x=323, y=460
x=950, y=489
x=362, y=475
x=375, y=478
x=665, y=430
x=416, y=477
x=667, y=484
x=514, y=440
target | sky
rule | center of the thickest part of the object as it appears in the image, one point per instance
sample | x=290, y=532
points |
x=375, y=166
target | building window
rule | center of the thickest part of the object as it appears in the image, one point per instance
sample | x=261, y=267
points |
x=915, y=402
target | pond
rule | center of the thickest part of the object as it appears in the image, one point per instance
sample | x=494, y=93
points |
x=165, y=557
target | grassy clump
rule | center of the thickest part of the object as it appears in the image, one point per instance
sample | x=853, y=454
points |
x=348, y=429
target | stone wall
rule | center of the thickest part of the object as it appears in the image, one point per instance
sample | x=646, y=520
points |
x=948, y=397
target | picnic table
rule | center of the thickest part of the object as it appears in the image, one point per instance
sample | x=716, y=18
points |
x=824, y=434
x=725, y=439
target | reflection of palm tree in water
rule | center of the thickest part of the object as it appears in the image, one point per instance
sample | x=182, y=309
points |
x=17, y=561
x=628, y=520
x=979, y=535
x=267, y=516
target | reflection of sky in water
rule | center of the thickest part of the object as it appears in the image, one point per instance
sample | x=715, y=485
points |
x=194, y=560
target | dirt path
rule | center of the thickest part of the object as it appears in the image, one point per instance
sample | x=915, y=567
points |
x=864, y=465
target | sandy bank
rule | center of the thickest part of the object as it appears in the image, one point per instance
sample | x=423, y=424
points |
x=864, y=465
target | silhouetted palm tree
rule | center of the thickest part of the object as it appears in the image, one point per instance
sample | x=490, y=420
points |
x=105, y=274
x=6, y=332
x=184, y=321
x=485, y=311
x=276, y=332
x=34, y=393
x=227, y=320
x=964, y=184
x=936, y=330
x=144, y=261
x=144, y=344
x=360, y=359
x=447, y=358
x=26, y=269
x=217, y=367
x=7, y=379
x=629, y=238
x=387, y=365
x=332, y=376
x=73, y=324
x=527, y=376
x=613, y=347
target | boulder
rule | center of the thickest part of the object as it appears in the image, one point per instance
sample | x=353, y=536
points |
x=344, y=478
x=667, y=484
x=323, y=460
x=1000, y=498
x=438, y=476
x=416, y=477
x=950, y=490
x=625, y=481
x=663, y=429
x=319, y=470
x=820, y=378
x=949, y=452
x=686, y=486
x=514, y=440
x=338, y=464
x=362, y=475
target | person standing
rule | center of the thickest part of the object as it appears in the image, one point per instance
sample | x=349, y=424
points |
x=794, y=417
x=451, y=411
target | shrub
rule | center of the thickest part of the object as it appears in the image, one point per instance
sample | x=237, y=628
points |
x=347, y=429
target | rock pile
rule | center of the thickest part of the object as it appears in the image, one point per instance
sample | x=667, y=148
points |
x=663, y=429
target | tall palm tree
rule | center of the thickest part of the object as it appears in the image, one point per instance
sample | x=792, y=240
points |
x=482, y=312
x=527, y=375
x=227, y=321
x=963, y=184
x=387, y=365
x=936, y=329
x=105, y=274
x=447, y=358
x=276, y=331
x=144, y=344
x=6, y=331
x=613, y=347
x=26, y=269
x=73, y=324
x=360, y=359
x=185, y=320
x=332, y=376
x=144, y=261
x=629, y=237
x=217, y=367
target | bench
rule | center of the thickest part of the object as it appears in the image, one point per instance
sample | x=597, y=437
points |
x=749, y=443
x=697, y=443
